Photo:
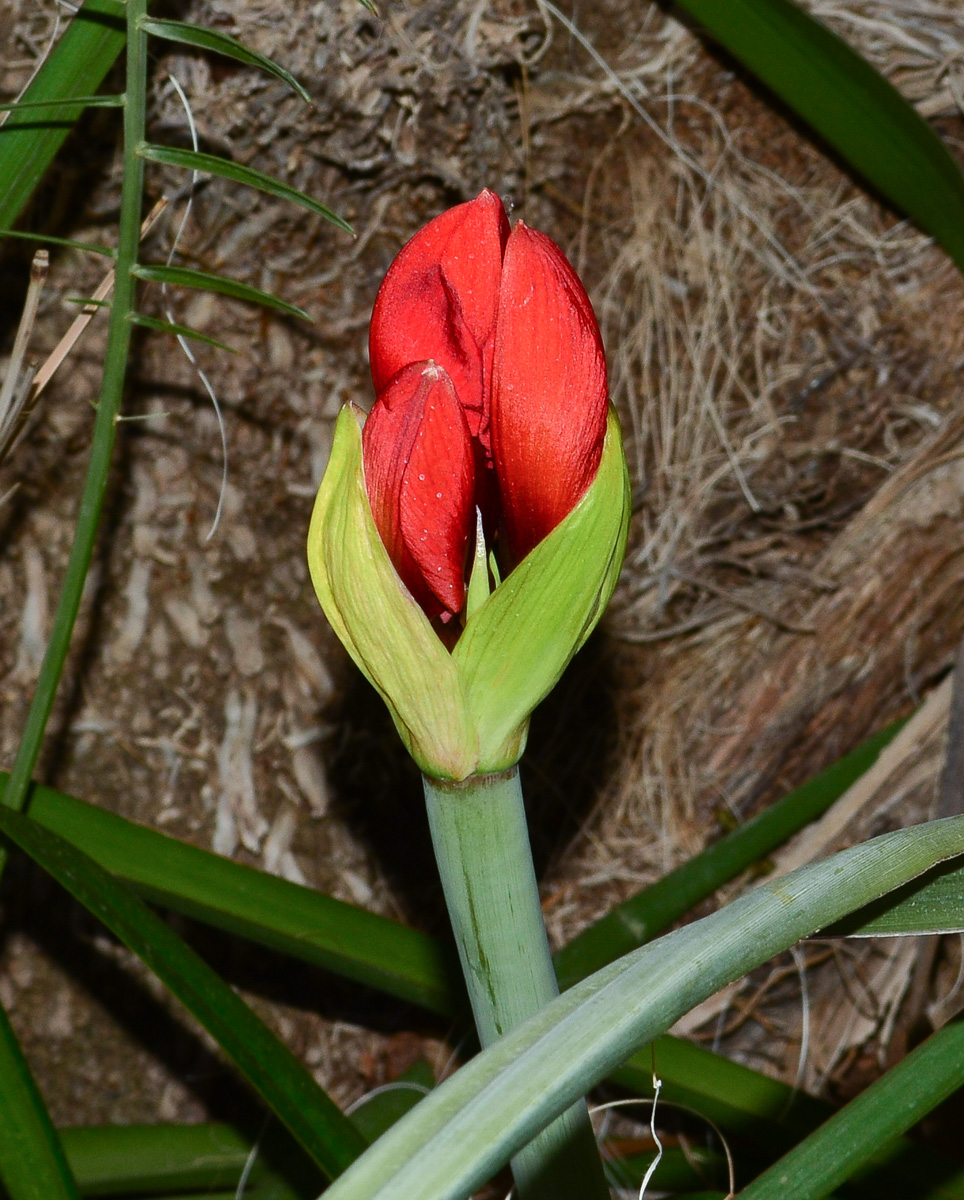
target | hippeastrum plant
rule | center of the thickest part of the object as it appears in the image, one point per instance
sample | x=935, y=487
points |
x=465, y=541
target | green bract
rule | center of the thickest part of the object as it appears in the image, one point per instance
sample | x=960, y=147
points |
x=465, y=713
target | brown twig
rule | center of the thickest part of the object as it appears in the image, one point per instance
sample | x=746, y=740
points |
x=13, y=394
x=87, y=313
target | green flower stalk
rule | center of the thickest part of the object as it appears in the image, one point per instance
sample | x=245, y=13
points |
x=466, y=538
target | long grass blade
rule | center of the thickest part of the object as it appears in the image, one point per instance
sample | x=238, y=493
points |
x=90, y=306
x=456, y=1137
x=49, y=240
x=380, y=1111
x=110, y=1160
x=263, y=908
x=75, y=70
x=679, y=1170
x=15, y=385
x=739, y=1100
x=849, y=104
x=142, y=1160
x=176, y=330
x=850, y=1140
x=273, y=1071
x=772, y=1117
x=656, y=907
x=188, y=277
x=213, y=164
x=220, y=43
x=32, y=1161
x=933, y=904
x=71, y=103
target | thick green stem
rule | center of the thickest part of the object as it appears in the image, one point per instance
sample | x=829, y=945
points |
x=112, y=390
x=482, y=849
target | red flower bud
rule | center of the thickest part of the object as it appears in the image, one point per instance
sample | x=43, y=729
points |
x=420, y=477
x=491, y=387
x=512, y=418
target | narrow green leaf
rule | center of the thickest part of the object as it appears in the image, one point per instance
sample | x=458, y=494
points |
x=148, y=1159
x=47, y=239
x=380, y=1111
x=773, y=1117
x=263, y=908
x=274, y=1072
x=75, y=69
x=738, y=1099
x=849, y=104
x=179, y=331
x=265, y=1189
x=69, y=103
x=112, y=1160
x=254, y=1194
x=220, y=43
x=932, y=904
x=656, y=907
x=32, y=1161
x=679, y=1170
x=850, y=1139
x=459, y=1135
x=88, y=302
x=213, y=164
x=188, y=277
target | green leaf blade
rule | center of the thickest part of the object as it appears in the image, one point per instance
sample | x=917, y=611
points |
x=849, y=104
x=656, y=907
x=213, y=164
x=176, y=330
x=273, y=1071
x=33, y=1165
x=932, y=904
x=207, y=1160
x=272, y=912
x=220, y=43
x=381, y=1111
x=455, y=1138
x=851, y=1138
x=48, y=240
x=188, y=277
x=68, y=103
x=75, y=69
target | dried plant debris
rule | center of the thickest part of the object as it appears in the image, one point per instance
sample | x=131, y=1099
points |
x=786, y=357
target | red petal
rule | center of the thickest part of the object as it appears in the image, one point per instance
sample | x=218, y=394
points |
x=439, y=301
x=420, y=477
x=549, y=396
